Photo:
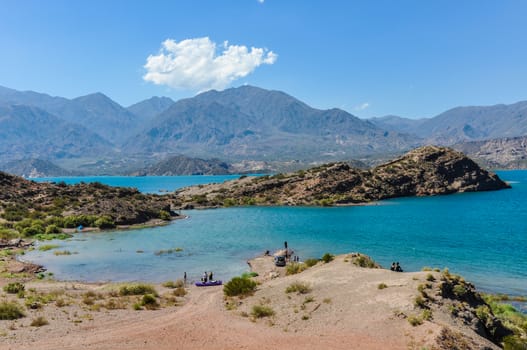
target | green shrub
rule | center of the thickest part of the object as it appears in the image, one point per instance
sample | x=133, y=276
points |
x=483, y=313
x=52, y=229
x=10, y=311
x=364, y=261
x=7, y=233
x=104, y=222
x=249, y=274
x=137, y=289
x=260, y=311
x=459, y=290
x=239, y=286
x=14, y=288
x=327, y=257
x=33, y=230
x=295, y=268
x=426, y=315
x=174, y=284
x=298, y=287
x=164, y=215
x=514, y=342
x=311, y=262
x=51, y=236
x=149, y=301
x=74, y=221
x=382, y=286
x=415, y=320
x=229, y=202
x=420, y=302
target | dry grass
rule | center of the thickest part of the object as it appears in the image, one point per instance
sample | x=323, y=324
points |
x=298, y=287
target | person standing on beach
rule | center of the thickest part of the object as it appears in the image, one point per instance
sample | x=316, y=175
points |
x=204, y=278
x=211, y=276
x=185, y=278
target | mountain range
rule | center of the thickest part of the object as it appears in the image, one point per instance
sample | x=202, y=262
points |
x=235, y=125
x=463, y=124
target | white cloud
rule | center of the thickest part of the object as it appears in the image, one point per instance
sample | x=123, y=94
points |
x=261, y=1
x=195, y=65
x=362, y=106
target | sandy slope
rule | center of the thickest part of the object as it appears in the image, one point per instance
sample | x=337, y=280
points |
x=347, y=311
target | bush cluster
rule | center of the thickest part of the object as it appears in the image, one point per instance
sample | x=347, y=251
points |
x=10, y=311
x=239, y=286
x=327, y=257
x=14, y=288
x=137, y=289
x=295, y=268
x=259, y=311
x=298, y=287
x=311, y=262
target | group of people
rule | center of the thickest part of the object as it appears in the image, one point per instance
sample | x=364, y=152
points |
x=207, y=277
x=396, y=267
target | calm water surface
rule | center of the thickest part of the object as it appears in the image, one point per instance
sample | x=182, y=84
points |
x=482, y=236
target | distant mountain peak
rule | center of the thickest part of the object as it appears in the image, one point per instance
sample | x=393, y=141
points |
x=149, y=108
x=96, y=97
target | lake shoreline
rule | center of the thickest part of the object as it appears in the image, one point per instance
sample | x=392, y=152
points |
x=95, y=315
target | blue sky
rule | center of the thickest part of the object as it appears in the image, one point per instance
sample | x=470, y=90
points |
x=371, y=58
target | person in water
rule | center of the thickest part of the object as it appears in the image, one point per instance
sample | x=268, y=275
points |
x=185, y=277
x=211, y=276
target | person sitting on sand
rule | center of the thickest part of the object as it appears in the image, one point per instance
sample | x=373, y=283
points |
x=393, y=266
x=210, y=276
x=398, y=267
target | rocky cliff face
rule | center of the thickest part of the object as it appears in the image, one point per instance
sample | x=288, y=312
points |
x=502, y=153
x=422, y=172
x=123, y=205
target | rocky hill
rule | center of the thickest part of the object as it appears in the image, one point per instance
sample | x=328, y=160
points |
x=182, y=165
x=35, y=168
x=422, y=172
x=502, y=153
x=20, y=198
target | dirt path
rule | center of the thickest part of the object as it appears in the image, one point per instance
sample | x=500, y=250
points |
x=202, y=323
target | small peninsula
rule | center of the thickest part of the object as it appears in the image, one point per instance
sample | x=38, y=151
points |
x=30, y=208
x=424, y=171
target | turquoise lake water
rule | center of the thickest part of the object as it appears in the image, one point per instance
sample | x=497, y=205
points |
x=482, y=236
